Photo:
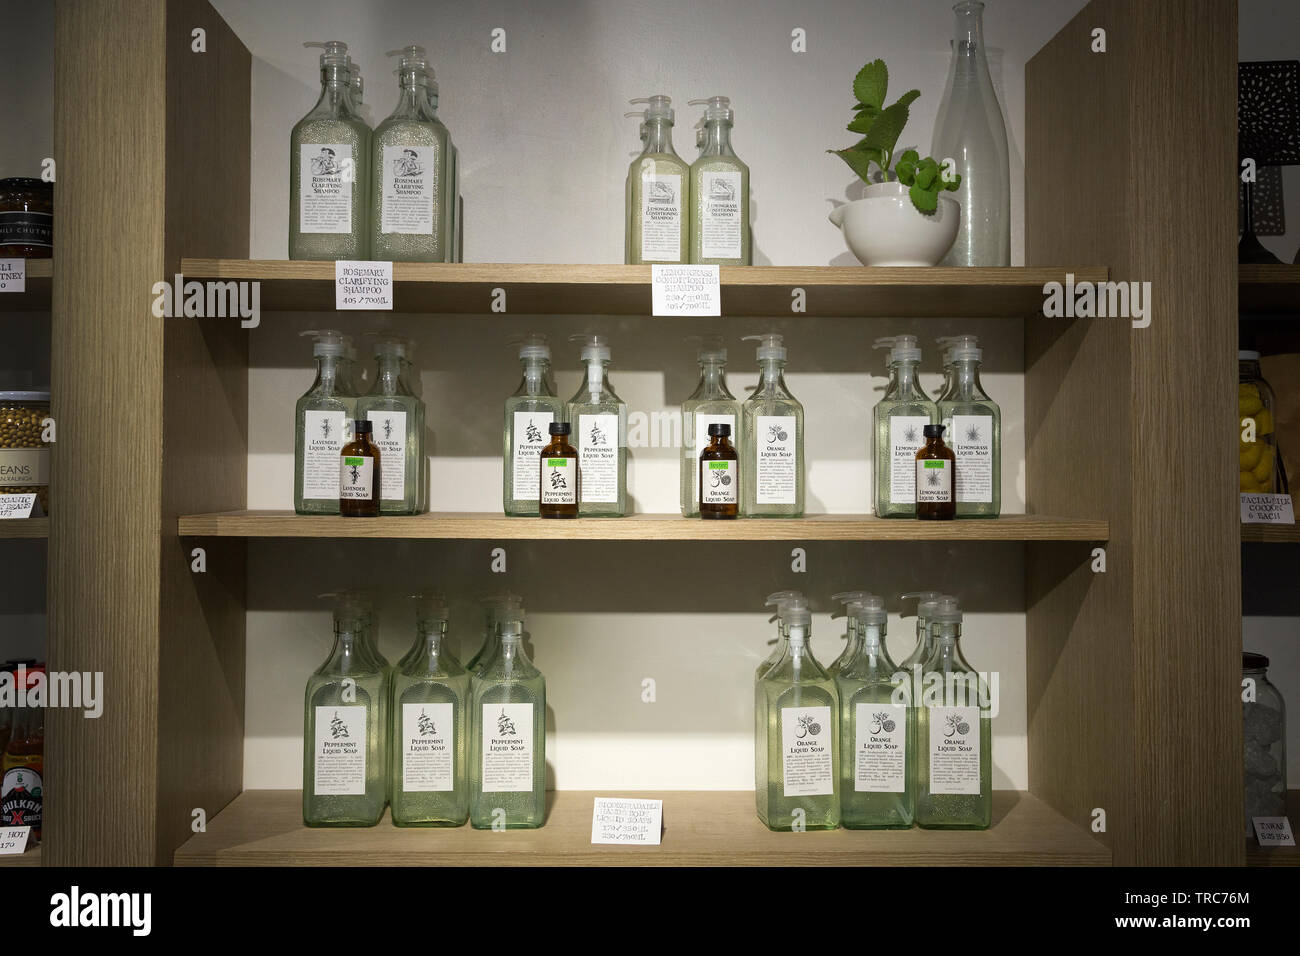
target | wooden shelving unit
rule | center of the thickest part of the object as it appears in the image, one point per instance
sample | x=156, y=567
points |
x=25, y=528
x=1271, y=532
x=31, y=858
x=716, y=828
x=37, y=289
x=1268, y=288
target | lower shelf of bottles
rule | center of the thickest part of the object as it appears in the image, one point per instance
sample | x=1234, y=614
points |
x=1279, y=855
x=702, y=828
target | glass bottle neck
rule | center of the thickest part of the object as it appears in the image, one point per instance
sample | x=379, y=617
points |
x=336, y=94
x=431, y=634
x=328, y=369
x=536, y=380
x=968, y=43
x=388, y=376
x=965, y=378
x=346, y=656
x=1249, y=368
x=717, y=140
x=659, y=137
x=771, y=374
x=946, y=652
x=903, y=382
x=595, y=381
x=713, y=381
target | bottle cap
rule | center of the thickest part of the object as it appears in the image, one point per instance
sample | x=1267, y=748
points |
x=961, y=348
x=533, y=347
x=933, y=431
x=411, y=59
x=717, y=109
x=902, y=348
x=770, y=346
x=595, y=347
x=711, y=348
x=559, y=428
x=658, y=107
x=389, y=346
x=719, y=430
x=1253, y=662
x=850, y=600
x=924, y=602
x=335, y=53
x=362, y=426
x=328, y=342
x=871, y=610
x=429, y=606
x=947, y=610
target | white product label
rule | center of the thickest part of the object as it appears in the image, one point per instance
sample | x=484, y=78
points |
x=971, y=439
x=1273, y=831
x=719, y=482
x=13, y=275
x=362, y=284
x=720, y=230
x=507, y=748
x=955, y=750
x=598, y=443
x=531, y=433
x=428, y=747
x=410, y=181
x=325, y=176
x=933, y=481
x=356, y=477
x=906, y=438
x=702, y=422
x=1267, y=509
x=19, y=506
x=389, y=436
x=685, y=290
x=661, y=217
x=14, y=840
x=559, y=477
x=806, y=751
x=322, y=441
x=880, y=750
x=774, y=461
x=340, y=761
x=621, y=820
x=24, y=466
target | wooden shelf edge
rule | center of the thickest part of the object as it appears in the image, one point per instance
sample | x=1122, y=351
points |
x=25, y=528
x=1270, y=532
x=30, y=858
x=1268, y=289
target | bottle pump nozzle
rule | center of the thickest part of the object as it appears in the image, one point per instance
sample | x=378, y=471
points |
x=429, y=606
x=658, y=107
x=770, y=347
x=335, y=53
x=924, y=602
x=947, y=610
x=711, y=347
x=717, y=108
x=411, y=59
x=903, y=348
x=871, y=618
x=533, y=347
x=791, y=611
x=961, y=348
x=328, y=342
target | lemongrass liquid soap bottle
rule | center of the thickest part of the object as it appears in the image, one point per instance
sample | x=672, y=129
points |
x=658, y=192
x=973, y=427
x=900, y=420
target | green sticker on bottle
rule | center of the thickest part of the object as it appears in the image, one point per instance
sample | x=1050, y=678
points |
x=935, y=463
x=558, y=462
x=354, y=461
x=719, y=465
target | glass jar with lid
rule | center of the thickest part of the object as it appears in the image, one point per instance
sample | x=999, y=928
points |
x=26, y=218
x=1263, y=714
x=1261, y=469
x=24, y=455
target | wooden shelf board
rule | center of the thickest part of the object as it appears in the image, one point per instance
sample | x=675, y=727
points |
x=1268, y=288
x=1279, y=855
x=707, y=828
x=480, y=526
x=31, y=858
x=1270, y=532
x=25, y=528
x=38, y=288
x=540, y=289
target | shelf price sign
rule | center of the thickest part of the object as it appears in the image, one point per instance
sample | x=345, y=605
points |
x=635, y=822
x=13, y=275
x=363, y=285
x=1267, y=509
x=685, y=290
x=13, y=840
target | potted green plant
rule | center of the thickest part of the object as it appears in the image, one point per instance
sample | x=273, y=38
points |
x=903, y=218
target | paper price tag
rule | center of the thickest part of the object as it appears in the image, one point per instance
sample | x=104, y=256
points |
x=633, y=822
x=1267, y=509
x=19, y=506
x=13, y=275
x=1273, y=831
x=685, y=290
x=363, y=285
x=14, y=839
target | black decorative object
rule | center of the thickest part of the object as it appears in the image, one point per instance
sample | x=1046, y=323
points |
x=1268, y=132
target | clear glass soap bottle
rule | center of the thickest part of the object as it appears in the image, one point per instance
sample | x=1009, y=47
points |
x=719, y=192
x=954, y=752
x=599, y=420
x=900, y=420
x=496, y=607
x=345, y=738
x=973, y=428
x=508, y=743
x=322, y=418
x=781, y=600
x=773, y=466
x=398, y=420
x=329, y=168
x=851, y=600
x=925, y=604
x=801, y=736
x=430, y=716
x=529, y=412
x=408, y=170
x=710, y=404
x=658, y=192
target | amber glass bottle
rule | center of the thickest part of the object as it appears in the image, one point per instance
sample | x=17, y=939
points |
x=719, y=475
x=359, y=475
x=559, y=466
x=935, y=464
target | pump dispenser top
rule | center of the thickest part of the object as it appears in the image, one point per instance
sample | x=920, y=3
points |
x=658, y=108
x=430, y=606
x=925, y=601
x=770, y=346
x=711, y=348
x=961, y=348
x=412, y=59
x=717, y=109
x=335, y=53
x=327, y=342
x=902, y=348
x=533, y=347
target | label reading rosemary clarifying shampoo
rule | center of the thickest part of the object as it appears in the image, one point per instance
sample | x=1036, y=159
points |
x=972, y=441
x=325, y=178
x=719, y=482
x=720, y=231
x=559, y=481
x=954, y=750
x=774, y=463
x=880, y=751
x=906, y=436
x=661, y=217
x=427, y=747
x=357, y=478
x=322, y=441
x=598, y=458
x=806, y=751
x=529, y=439
x=933, y=481
x=340, y=760
x=507, y=748
x=389, y=434
x=410, y=181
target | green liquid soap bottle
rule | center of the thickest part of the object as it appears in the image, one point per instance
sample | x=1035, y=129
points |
x=973, y=428
x=781, y=600
x=773, y=466
x=719, y=192
x=852, y=639
x=954, y=756
x=900, y=419
x=658, y=192
x=508, y=743
x=345, y=737
x=495, y=608
x=710, y=404
x=322, y=426
x=599, y=420
x=397, y=417
x=329, y=171
x=430, y=718
x=529, y=413
x=801, y=736
x=409, y=172
x=877, y=729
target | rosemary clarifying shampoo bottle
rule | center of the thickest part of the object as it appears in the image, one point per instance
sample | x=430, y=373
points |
x=322, y=425
x=710, y=404
x=657, y=192
x=900, y=419
x=772, y=469
x=599, y=421
x=719, y=192
x=973, y=428
x=529, y=414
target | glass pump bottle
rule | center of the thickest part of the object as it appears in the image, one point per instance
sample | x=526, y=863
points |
x=495, y=608
x=529, y=412
x=408, y=170
x=450, y=212
x=599, y=420
x=345, y=746
x=851, y=600
x=657, y=191
x=969, y=129
x=799, y=746
x=508, y=743
x=877, y=729
x=900, y=419
x=429, y=717
x=719, y=192
x=781, y=600
x=710, y=404
x=322, y=418
x=973, y=427
x=773, y=466
x=925, y=603
x=398, y=420
x=329, y=170
x=954, y=752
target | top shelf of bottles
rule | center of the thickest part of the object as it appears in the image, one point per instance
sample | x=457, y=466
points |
x=540, y=289
x=1268, y=288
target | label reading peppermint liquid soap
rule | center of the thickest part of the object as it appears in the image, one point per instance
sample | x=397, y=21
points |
x=507, y=748
x=531, y=429
x=559, y=481
x=954, y=750
x=972, y=441
x=774, y=462
x=427, y=747
x=880, y=751
x=389, y=433
x=325, y=177
x=806, y=751
x=321, y=443
x=340, y=758
x=906, y=437
x=597, y=442
x=661, y=217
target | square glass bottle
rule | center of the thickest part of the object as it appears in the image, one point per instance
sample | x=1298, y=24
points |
x=900, y=419
x=397, y=417
x=529, y=413
x=710, y=404
x=599, y=420
x=973, y=428
x=772, y=469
